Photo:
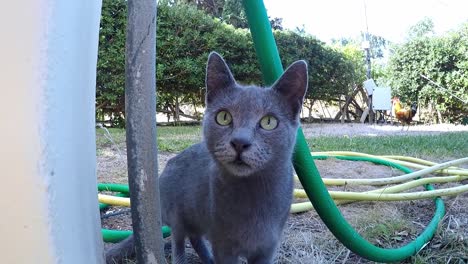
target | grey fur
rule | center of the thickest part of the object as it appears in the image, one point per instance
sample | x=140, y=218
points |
x=234, y=189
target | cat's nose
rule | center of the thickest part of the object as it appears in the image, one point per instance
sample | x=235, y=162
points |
x=240, y=144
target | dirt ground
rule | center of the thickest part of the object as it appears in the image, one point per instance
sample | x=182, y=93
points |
x=306, y=238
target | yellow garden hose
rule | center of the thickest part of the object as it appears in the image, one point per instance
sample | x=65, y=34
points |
x=382, y=196
x=114, y=200
x=405, y=161
x=392, y=193
x=414, y=160
x=336, y=195
x=343, y=197
x=392, y=180
x=300, y=193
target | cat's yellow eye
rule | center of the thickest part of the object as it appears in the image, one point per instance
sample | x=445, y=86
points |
x=268, y=122
x=223, y=118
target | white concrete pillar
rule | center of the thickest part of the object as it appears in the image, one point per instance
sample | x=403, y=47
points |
x=48, y=204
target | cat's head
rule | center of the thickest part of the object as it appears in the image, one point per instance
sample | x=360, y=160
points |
x=249, y=128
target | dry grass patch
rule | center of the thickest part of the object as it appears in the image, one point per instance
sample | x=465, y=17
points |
x=306, y=238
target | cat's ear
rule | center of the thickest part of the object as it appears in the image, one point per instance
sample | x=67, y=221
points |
x=292, y=85
x=218, y=76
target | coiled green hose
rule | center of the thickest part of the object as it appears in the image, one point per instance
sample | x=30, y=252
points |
x=304, y=165
x=332, y=218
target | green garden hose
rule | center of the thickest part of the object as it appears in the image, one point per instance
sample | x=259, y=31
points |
x=122, y=189
x=304, y=165
x=117, y=235
x=113, y=187
x=103, y=206
x=114, y=236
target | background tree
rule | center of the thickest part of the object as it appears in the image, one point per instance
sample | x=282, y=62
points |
x=423, y=28
x=378, y=45
x=443, y=60
x=182, y=40
x=332, y=74
x=213, y=7
x=110, y=79
x=185, y=36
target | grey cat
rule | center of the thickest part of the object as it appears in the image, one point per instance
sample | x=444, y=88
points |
x=234, y=189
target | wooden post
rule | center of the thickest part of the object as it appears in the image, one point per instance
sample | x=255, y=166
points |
x=142, y=152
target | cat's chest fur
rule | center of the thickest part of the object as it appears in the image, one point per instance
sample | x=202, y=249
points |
x=248, y=211
x=251, y=198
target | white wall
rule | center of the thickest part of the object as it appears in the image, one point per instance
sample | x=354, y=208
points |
x=48, y=52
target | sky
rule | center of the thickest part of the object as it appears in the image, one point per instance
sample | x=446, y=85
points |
x=327, y=19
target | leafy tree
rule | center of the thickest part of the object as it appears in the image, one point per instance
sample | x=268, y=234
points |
x=234, y=14
x=276, y=23
x=425, y=27
x=185, y=36
x=229, y=11
x=443, y=60
x=212, y=7
x=378, y=45
x=182, y=35
x=110, y=79
x=333, y=72
x=354, y=55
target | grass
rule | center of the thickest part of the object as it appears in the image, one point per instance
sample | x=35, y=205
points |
x=380, y=225
x=170, y=139
x=395, y=229
x=175, y=139
x=443, y=145
x=447, y=246
x=452, y=145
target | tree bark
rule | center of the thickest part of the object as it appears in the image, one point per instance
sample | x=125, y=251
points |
x=176, y=111
x=142, y=151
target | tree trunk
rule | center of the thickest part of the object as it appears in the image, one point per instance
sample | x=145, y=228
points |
x=176, y=111
x=341, y=109
x=323, y=111
x=439, y=116
x=419, y=112
x=363, y=94
x=326, y=108
x=344, y=110
x=194, y=107
x=371, y=111
x=310, y=110
x=359, y=110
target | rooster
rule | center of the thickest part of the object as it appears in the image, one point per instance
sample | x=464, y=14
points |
x=404, y=115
